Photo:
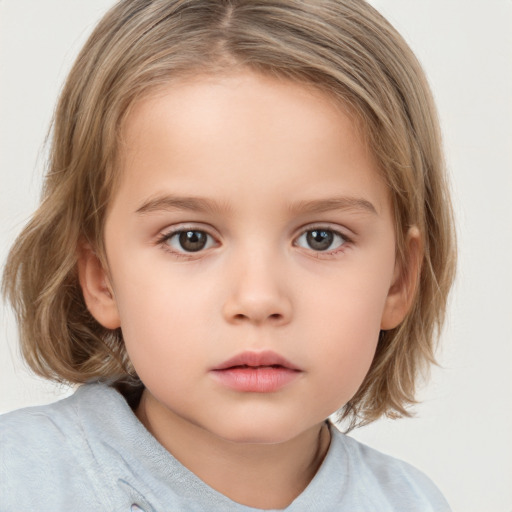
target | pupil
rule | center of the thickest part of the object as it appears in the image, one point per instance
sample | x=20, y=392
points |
x=192, y=241
x=319, y=240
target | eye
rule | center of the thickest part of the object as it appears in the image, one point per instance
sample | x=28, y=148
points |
x=189, y=240
x=320, y=239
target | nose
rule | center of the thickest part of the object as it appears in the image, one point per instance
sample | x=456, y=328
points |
x=257, y=291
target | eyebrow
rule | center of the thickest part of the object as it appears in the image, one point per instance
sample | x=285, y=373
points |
x=334, y=203
x=203, y=205
x=171, y=202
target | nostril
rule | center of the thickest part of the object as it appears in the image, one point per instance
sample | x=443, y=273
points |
x=271, y=317
x=257, y=309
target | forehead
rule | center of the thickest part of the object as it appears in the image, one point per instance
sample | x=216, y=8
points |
x=228, y=97
x=244, y=130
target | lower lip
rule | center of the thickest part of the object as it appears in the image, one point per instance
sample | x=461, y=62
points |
x=256, y=380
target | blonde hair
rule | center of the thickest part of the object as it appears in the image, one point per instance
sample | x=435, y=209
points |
x=343, y=47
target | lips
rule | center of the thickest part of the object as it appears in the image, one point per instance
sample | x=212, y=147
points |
x=257, y=372
x=257, y=359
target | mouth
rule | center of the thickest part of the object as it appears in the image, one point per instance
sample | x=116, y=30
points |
x=249, y=359
x=256, y=372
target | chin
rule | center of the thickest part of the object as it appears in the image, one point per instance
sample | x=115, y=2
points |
x=258, y=431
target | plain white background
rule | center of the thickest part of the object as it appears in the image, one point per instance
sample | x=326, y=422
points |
x=461, y=436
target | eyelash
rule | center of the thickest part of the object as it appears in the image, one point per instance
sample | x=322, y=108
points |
x=163, y=241
x=325, y=229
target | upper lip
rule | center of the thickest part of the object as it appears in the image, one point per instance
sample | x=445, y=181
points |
x=257, y=359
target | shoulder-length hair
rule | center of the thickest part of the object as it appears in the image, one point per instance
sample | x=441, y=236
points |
x=343, y=47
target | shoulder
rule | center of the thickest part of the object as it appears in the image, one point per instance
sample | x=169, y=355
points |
x=44, y=452
x=36, y=433
x=42, y=429
x=388, y=480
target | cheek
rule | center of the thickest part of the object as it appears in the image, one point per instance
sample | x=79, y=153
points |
x=159, y=320
x=344, y=362
x=350, y=344
x=347, y=320
x=350, y=303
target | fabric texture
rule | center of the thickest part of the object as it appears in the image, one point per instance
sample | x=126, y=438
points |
x=89, y=452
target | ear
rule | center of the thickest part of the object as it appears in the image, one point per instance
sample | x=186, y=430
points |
x=98, y=294
x=405, y=282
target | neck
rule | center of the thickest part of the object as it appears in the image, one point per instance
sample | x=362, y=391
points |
x=266, y=476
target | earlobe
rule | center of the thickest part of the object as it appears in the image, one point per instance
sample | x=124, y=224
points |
x=405, y=282
x=96, y=288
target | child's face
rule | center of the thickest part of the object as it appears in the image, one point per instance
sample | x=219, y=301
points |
x=250, y=219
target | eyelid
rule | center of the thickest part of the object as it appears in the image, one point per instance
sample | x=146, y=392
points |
x=346, y=233
x=168, y=233
x=327, y=253
x=188, y=226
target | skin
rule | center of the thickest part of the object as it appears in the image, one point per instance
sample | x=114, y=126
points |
x=270, y=160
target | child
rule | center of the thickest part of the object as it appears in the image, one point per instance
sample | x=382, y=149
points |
x=245, y=228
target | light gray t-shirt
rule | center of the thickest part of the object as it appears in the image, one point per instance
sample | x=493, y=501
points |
x=90, y=453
